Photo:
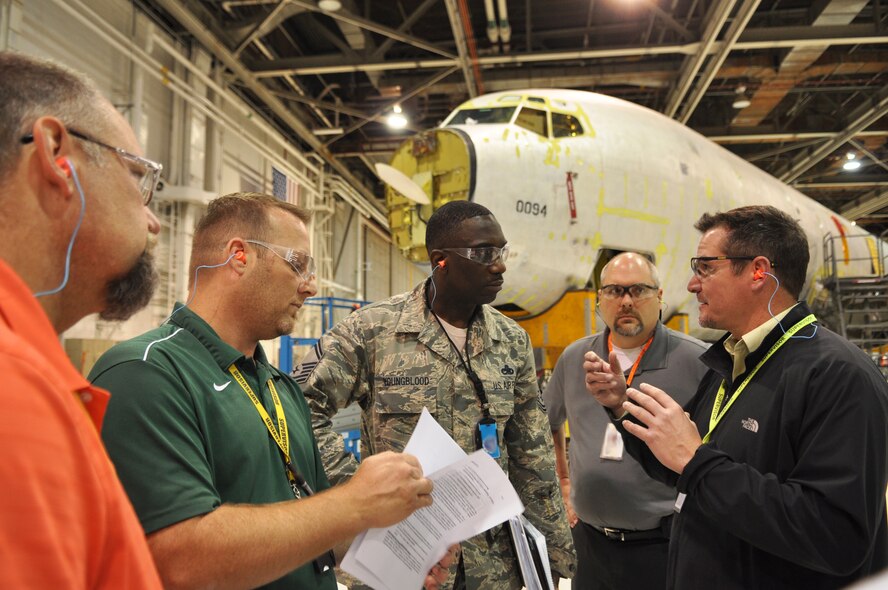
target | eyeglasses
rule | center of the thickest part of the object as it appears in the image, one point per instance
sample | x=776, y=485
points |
x=702, y=269
x=486, y=255
x=302, y=263
x=638, y=291
x=145, y=171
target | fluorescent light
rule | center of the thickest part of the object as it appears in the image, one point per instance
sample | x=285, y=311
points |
x=328, y=131
x=851, y=165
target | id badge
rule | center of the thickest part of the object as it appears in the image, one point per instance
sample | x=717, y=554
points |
x=487, y=438
x=612, y=447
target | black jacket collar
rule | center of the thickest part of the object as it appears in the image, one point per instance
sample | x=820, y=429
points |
x=718, y=359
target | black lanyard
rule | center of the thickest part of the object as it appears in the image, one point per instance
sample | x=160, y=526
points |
x=477, y=385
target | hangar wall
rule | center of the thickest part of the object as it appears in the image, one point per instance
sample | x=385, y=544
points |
x=210, y=143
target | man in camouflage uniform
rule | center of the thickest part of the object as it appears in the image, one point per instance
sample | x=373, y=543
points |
x=424, y=348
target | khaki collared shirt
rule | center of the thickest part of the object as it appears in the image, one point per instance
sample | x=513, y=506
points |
x=749, y=342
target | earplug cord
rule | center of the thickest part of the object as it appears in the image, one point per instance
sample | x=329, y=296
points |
x=64, y=282
x=433, y=288
x=771, y=313
x=194, y=290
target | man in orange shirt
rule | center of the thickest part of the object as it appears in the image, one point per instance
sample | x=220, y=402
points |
x=74, y=235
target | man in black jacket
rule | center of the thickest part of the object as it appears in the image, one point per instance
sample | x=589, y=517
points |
x=782, y=467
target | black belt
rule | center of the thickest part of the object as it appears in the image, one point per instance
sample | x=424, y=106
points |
x=661, y=532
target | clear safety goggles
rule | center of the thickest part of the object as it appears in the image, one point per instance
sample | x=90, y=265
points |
x=638, y=291
x=486, y=255
x=303, y=264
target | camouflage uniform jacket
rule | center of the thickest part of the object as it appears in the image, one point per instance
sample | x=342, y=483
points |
x=393, y=359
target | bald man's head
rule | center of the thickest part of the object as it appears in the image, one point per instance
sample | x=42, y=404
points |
x=627, y=260
x=630, y=298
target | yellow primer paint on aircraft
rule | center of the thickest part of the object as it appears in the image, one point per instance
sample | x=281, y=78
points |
x=557, y=167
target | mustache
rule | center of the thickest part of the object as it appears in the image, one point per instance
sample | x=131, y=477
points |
x=129, y=293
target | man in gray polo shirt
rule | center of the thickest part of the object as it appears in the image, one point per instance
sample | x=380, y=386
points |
x=619, y=517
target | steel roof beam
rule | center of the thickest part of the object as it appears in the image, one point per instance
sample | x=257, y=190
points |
x=271, y=20
x=862, y=148
x=382, y=110
x=832, y=186
x=459, y=37
x=777, y=136
x=375, y=28
x=334, y=64
x=715, y=20
x=861, y=118
x=792, y=146
x=747, y=9
x=870, y=203
x=670, y=22
x=199, y=30
x=380, y=51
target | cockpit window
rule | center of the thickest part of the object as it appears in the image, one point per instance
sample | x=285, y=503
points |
x=482, y=116
x=565, y=126
x=533, y=120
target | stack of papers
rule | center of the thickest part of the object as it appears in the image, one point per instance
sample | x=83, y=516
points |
x=533, y=558
x=471, y=494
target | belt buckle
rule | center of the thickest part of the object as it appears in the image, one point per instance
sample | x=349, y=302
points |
x=614, y=534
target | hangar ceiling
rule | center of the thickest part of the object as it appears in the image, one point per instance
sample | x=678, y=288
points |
x=814, y=73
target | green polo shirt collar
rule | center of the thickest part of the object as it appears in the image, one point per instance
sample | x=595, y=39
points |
x=223, y=353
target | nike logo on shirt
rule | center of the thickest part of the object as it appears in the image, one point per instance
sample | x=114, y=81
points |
x=221, y=387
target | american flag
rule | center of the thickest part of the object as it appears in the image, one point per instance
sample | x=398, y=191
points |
x=283, y=187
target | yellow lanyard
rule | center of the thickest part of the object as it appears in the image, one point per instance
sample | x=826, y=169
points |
x=279, y=434
x=717, y=412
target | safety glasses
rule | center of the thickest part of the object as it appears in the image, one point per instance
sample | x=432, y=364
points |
x=638, y=291
x=486, y=255
x=702, y=268
x=302, y=263
x=146, y=172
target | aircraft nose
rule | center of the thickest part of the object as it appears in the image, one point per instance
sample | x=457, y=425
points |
x=440, y=164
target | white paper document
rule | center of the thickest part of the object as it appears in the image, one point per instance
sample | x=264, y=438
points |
x=471, y=494
x=533, y=557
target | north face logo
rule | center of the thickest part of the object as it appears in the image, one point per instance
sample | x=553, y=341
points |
x=750, y=424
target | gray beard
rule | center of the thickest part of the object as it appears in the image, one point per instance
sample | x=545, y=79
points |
x=128, y=294
x=629, y=332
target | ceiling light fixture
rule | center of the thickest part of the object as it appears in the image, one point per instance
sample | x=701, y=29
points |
x=329, y=5
x=328, y=131
x=741, y=101
x=397, y=120
x=851, y=156
x=851, y=165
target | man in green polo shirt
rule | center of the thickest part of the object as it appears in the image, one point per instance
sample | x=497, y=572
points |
x=214, y=445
